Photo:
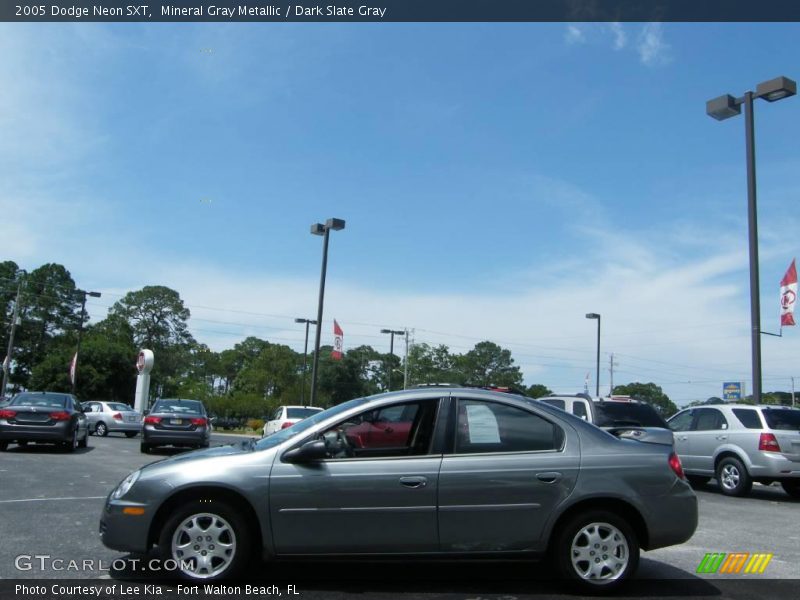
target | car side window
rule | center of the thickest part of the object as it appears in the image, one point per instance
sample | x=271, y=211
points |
x=558, y=403
x=682, y=421
x=748, y=417
x=494, y=427
x=404, y=429
x=579, y=410
x=710, y=419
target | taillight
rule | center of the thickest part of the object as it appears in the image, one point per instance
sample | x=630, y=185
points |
x=676, y=466
x=768, y=443
x=152, y=420
x=8, y=414
x=199, y=421
x=286, y=424
x=117, y=417
x=60, y=415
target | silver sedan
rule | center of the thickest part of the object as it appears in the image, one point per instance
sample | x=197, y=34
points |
x=427, y=473
x=108, y=417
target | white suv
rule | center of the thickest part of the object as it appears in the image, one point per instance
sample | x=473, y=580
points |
x=738, y=444
x=609, y=413
x=286, y=416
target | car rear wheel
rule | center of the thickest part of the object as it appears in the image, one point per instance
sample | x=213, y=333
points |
x=84, y=443
x=145, y=448
x=733, y=478
x=101, y=429
x=597, y=550
x=207, y=539
x=72, y=444
x=3, y=446
x=131, y=434
x=792, y=488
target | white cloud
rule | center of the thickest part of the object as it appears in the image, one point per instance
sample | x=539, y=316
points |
x=620, y=37
x=574, y=34
x=653, y=50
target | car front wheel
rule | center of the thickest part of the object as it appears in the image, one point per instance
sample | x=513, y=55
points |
x=207, y=540
x=732, y=477
x=101, y=429
x=792, y=488
x=597, y=550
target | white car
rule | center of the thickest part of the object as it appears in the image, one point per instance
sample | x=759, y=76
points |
x=286, y=416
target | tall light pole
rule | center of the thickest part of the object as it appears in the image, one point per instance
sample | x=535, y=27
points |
x=722, y=108
x=305, y=356
x=597, y=372
x=324, y=231
x=392, y=333
x=83, y=295
x=14, y=322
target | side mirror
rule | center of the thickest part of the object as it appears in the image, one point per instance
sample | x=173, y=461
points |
x=308, y=452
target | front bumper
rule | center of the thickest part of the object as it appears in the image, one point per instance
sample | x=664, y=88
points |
x=59, y=432
x=125, y=532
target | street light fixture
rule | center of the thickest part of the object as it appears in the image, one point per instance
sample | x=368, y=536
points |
x=722, y=108
x=597, y=373
x=305, y=356
x=83, y=295
x=392, y=333
x=324, y=231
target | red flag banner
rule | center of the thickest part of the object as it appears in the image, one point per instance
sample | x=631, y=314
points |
x=788, y=295
x=338, y=341
x=72, y=367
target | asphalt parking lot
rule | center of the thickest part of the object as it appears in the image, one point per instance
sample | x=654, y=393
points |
x=50, y=503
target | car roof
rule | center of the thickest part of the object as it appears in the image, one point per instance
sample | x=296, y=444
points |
x=742, y=405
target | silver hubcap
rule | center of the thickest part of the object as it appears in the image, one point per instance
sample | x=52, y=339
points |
x=730, y=477
x=204, y=545
x=599, y=553
x=101, y=429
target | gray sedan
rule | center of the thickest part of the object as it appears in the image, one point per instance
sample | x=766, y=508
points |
x=468, y=473
x=49, y=417
x=176, y=422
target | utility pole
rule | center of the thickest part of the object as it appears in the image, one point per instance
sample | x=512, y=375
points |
x=792, y=392
x=10, y=350
x=80, y=332
x=405, y=369
x=611, y=365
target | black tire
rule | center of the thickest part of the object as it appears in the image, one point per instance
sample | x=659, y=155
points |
x=72, y=444
x=733, y=478
x=792, y=488
x=3, y=446
x=698, y=480
x=131, y=434
x=574, y=540
x=203, y=513
x=101, y=429
x=84, y=443
x=22, y=443
x=145, y=448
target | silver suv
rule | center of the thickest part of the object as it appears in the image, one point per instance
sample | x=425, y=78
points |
x=738, y=444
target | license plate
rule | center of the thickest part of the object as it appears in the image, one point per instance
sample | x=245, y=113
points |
x=177, y=421
x=131, y=418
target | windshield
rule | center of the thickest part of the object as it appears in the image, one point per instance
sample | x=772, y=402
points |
x=782, y=419
x=301, y=413
x=188, y=407
x=615, y=414
x=44, y=400
x=284, y=434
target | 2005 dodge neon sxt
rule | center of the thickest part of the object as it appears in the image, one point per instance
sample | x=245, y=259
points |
x=437, y=473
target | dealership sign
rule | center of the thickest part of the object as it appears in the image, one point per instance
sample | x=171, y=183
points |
x=732, y=390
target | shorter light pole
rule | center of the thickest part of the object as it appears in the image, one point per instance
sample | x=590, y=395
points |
x=305, y=356
x=324, y=231
x=83, y=295
x=597, y=371
x=392, y=333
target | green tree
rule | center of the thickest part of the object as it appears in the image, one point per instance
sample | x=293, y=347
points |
x=537, y=390
x=431, y=364
x=8, y=292
x=650, y=393
x=357, y=374
x=272, y=374
x=489, y=364
x=158, y=320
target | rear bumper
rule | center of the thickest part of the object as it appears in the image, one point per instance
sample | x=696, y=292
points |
x=59, y=432
x=673, y=517
x=773, y=465
x=122, y=426
x=150, y=435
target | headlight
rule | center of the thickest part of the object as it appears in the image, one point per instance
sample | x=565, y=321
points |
x=125, y=486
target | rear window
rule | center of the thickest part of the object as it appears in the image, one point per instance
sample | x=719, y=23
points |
x=616, y=414
x=186, y=407
x=748, y=417
x=300, y=413
x=788, y=420
x=555, y=402
x=119, y=406
x=43, y=400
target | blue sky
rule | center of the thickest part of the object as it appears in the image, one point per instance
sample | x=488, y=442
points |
x=498, y=182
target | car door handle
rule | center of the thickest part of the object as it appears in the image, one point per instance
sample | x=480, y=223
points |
x=722, y=437
x=683, y=438
x=549, y=477
x=414, y=482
